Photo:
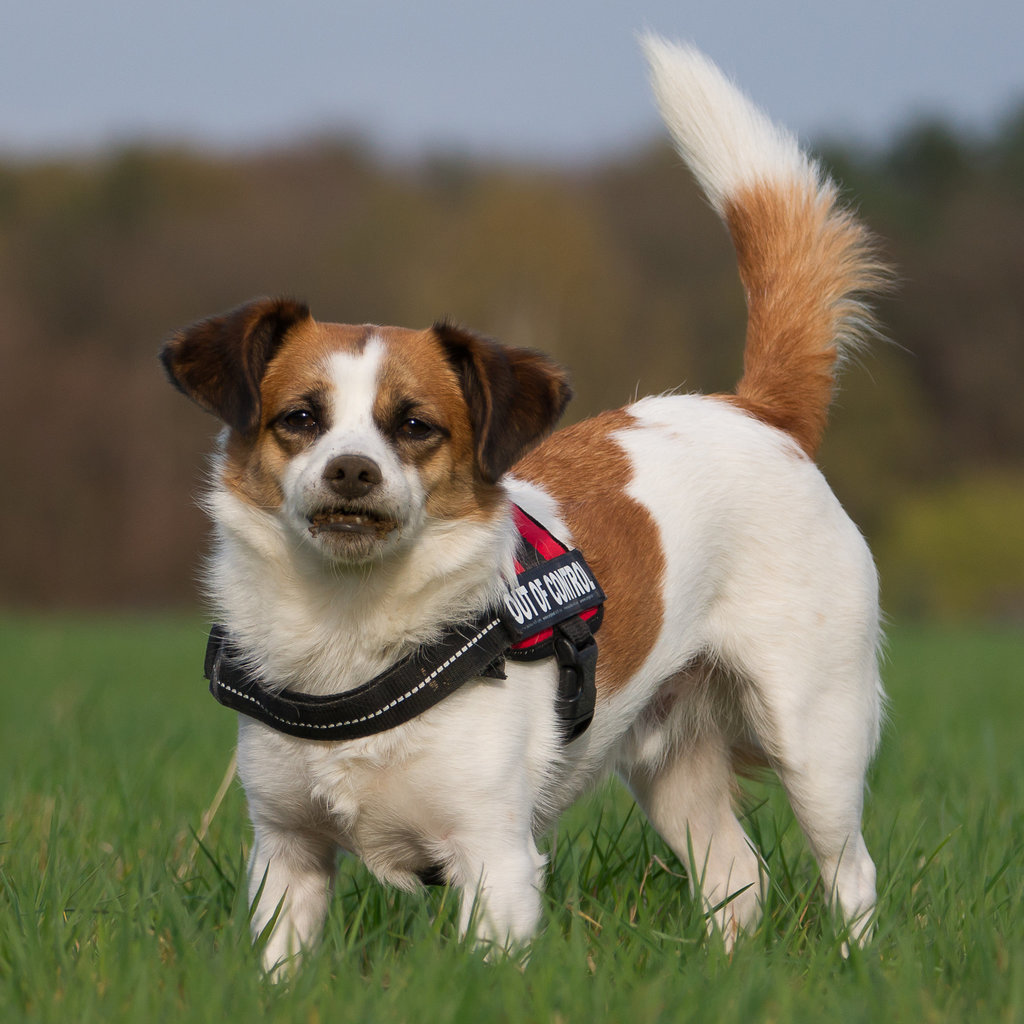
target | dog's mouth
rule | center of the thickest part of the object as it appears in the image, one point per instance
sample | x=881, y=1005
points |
x=351, y=521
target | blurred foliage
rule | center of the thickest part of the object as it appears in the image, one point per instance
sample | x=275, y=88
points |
x=617, y=268
x=958, y=551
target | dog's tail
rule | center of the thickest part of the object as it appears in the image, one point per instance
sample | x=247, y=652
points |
x=806, y=264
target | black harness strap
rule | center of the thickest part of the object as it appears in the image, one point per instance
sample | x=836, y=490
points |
x=551, y=596
x=389, y=699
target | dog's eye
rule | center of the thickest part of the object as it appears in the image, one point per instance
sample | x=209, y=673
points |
x=299, y=421
x=415, y=429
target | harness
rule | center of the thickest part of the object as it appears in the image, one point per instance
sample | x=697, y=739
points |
x=553, y=610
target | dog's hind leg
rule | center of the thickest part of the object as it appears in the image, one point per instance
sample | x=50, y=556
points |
x=821, y=762
x=688, y=799
x=816, y=706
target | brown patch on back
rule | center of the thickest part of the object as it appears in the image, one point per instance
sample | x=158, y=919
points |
x=803, y=263
x=587, y=471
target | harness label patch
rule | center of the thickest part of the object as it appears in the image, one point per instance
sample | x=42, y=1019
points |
x=550, y=593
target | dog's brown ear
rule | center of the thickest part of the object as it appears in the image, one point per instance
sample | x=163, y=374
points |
x=515, y=396
x=219, y=362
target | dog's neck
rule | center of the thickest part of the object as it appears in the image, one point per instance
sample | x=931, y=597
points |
x=319, y=627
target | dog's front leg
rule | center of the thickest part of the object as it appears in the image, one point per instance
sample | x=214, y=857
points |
x=500, y=883
x=291, y=876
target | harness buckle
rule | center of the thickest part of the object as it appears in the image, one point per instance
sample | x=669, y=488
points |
x=215, y=657
x=576, y=656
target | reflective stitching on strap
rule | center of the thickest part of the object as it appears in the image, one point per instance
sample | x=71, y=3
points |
x=380, y=711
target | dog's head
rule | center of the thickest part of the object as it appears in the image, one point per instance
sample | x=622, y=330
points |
x=353, y=436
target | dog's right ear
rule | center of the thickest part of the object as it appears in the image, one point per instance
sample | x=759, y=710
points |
x=219, y=362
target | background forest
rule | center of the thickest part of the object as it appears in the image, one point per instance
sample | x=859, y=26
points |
x=616, y=267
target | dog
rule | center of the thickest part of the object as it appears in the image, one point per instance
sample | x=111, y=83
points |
x=366, y=492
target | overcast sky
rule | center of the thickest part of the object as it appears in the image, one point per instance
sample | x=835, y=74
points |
x=538, y=78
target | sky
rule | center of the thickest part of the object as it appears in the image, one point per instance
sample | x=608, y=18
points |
x=555, y=80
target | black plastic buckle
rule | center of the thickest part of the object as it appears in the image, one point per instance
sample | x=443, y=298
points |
x=576, y=655
x=214, y=660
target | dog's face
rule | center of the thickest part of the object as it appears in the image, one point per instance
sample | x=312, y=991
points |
x=353, y=437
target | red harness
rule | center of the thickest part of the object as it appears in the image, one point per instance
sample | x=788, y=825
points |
x=540, y=546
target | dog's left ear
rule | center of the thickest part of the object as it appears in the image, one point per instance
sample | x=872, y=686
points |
x=515, y=396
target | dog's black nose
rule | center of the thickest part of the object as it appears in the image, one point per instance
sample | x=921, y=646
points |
x=352, y=476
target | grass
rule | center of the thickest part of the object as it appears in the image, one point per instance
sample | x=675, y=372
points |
x=110, y=751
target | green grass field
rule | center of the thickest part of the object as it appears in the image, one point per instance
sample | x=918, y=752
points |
x=111, y=751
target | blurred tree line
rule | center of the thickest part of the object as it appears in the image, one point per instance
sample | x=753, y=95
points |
x=616, y=267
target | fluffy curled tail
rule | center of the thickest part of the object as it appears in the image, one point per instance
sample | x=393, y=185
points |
x=806, y=264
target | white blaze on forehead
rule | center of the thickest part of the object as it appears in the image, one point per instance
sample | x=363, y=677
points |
x=354, y=377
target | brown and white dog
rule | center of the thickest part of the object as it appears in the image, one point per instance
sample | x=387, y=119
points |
x=361, y=502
